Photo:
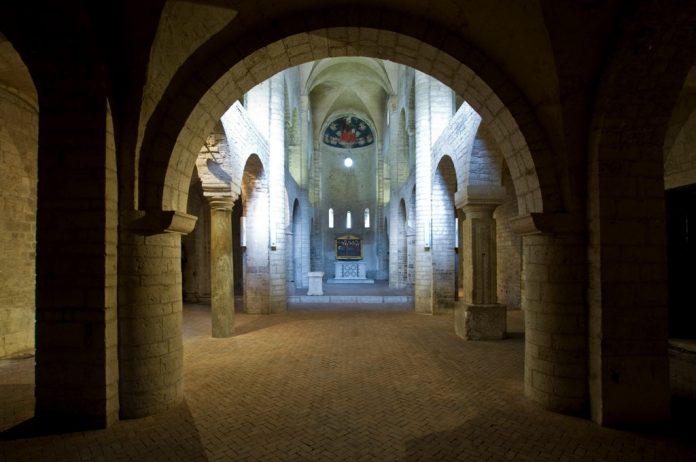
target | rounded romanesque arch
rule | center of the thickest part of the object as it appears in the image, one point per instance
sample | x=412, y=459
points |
x=179, y=124
x=626, y=205
x=444, y=186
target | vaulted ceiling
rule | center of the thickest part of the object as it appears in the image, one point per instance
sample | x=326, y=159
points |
x=352, y=85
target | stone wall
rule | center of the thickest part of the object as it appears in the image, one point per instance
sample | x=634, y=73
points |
x=680, y=160
x=18, y=173
x=443, y=236
x=509, y=248
x=348, y=190
x=297, y=232
x=195, y=248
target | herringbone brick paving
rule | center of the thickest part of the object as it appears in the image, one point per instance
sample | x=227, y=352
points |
x=347, y=384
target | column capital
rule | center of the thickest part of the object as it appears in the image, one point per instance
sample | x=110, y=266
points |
x=479, y=195
x=221, y=202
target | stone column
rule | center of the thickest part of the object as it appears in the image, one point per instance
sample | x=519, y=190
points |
x=149, y=311
x=221, y=272
x=478, y=316
x=434, y=109
x=554, y=267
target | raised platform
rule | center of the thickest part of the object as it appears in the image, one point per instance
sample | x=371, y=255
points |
x=347, y=293
x=350, y=281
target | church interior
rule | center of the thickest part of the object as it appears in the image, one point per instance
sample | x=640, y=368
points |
x=373, y=230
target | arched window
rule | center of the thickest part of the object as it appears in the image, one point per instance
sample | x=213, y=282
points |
x=331, y=221
x=349, y=221
x=367, y=218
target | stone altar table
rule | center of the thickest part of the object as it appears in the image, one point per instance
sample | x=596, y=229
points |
x=350, y=272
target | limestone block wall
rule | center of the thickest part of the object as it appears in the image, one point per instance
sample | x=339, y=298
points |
x=443, y=236
x=255, y=260
x=298, y=234
x=18, y=173
x=150, y=337
x=509, y=248
x=196, y=249
x=680, y=160
x=348, y=190
x=434, y=104
x=243, y=139
x=457, y=141
x=277, y=194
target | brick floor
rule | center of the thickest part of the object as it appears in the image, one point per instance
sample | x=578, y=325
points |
x=347, y=384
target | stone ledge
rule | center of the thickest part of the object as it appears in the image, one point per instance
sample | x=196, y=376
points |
x=164, y=221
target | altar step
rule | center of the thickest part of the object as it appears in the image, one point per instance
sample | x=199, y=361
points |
x=347, y=299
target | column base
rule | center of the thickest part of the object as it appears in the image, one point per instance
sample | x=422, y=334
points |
x=480, y=322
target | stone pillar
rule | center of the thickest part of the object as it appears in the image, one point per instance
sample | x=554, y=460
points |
x=149, y=311
x=553, y=299
x=277, y=202
x=221, y=272
x=434, y=109
x=478, y=316
x=76, y=381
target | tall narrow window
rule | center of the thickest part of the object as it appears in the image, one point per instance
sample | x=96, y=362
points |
x=367, y=218
x=349, y=221
x=330, y=218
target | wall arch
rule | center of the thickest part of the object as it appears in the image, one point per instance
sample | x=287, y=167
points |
x=626, y=212
x=444, y=186
x=178, y=125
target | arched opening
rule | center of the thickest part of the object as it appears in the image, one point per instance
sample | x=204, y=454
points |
x=19, y=124
x=255, y=271
x=297, y=233
x=535, y=190
x=444, y=238
x=195, y=248
x=402, y=246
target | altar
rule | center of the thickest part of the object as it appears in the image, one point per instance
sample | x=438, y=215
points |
x=349, y=267
x=350, y=272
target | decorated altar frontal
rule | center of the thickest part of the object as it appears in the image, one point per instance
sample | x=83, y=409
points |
x=348, y=267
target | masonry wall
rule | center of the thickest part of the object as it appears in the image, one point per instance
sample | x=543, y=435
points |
x=195, y=249
x=348, y=189
x=297, y=234
x=509, y=248
x=18, y=173
x=680, y=162
x=443, y=236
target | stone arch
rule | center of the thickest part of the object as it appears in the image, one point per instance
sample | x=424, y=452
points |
x=485, y=164
x=255, y=209
x=679, y=162
x=63, y=76
x=166, y=145
x=403, y=164
x=626, y=213
x=401, y=246
x=444, y=186
x=19, y=126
